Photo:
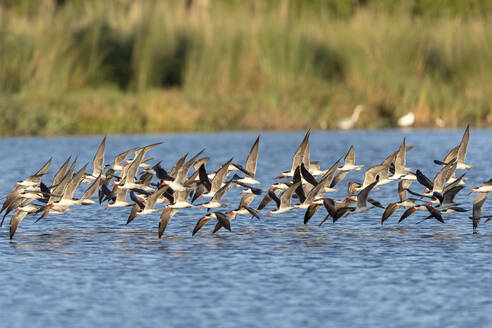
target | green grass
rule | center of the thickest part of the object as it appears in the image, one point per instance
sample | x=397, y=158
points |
x=155, y=66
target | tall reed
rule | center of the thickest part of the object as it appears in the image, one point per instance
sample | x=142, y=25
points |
x=154, y=66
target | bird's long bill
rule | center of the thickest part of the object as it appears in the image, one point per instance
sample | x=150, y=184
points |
x=200, y=224
x=42, y=216
x=427, y=218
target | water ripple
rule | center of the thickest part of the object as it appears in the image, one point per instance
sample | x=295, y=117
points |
x=89, y=268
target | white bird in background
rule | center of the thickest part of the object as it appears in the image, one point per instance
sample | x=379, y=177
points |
x=406, y=120
x=349, y=122
x=440, y=122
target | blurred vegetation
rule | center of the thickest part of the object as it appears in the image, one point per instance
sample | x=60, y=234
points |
x=130, y=66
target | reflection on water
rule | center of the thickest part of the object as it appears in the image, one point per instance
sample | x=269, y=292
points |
x=89, y=268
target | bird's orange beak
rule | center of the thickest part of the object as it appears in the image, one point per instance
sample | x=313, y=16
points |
x=269, y=213
x=107, y=206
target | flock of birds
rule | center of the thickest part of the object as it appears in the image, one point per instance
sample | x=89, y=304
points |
x=134, y=183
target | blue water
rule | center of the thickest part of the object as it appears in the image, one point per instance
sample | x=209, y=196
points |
x=89, y=268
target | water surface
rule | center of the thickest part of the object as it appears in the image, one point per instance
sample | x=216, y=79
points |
x=89, y=268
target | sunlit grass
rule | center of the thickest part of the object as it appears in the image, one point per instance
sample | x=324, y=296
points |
x=152, y=66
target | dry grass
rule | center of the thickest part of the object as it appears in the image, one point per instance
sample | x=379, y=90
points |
x=152, y=66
